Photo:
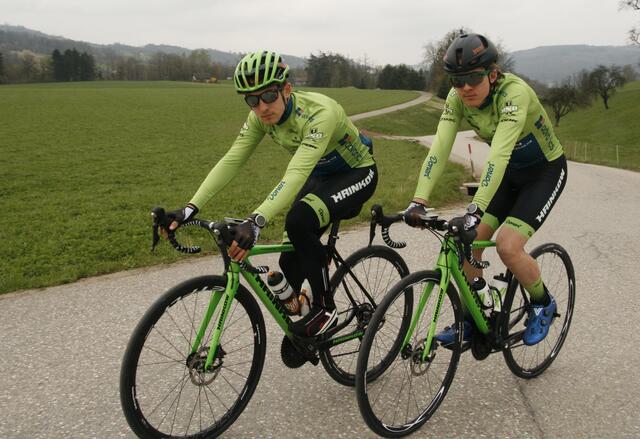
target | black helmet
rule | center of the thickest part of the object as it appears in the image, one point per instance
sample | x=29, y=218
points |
x=468, y=52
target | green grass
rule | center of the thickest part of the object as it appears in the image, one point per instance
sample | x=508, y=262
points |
x=83, y=163
x=418, y=120
x=594, y=132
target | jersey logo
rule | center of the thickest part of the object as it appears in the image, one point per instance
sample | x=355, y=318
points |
x=344, y=193
x=314, y=134
x=276, y=191
x=447, y=110
x=427, y=170
x=509, y=108
x=487, y=178
x=551, y=199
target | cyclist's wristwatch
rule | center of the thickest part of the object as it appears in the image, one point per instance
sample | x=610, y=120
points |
x=473, y=209
x=258, y=220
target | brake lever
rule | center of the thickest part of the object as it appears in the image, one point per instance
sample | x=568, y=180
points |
x=158, y=216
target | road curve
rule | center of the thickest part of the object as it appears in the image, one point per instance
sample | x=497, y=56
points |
x=61, y=347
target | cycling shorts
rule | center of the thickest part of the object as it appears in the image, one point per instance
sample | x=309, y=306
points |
x=526, y=196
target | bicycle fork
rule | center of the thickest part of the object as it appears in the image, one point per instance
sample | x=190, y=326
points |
x=229, y=293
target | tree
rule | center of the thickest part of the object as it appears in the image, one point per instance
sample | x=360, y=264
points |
x=86, y=68
x=28, y=66
x=401, y=77
x=57, y=61
x=72, y=66
x=1, y=68
x=335, y=70
x=629, y=73
x=634, y=33
x=604, y=81
x=562, y=100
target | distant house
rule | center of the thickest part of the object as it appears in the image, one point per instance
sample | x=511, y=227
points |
x=207, y=78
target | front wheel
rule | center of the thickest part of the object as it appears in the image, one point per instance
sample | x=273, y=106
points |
x=166, y=389
x=410, y=389
x=558, y=276
x=359, y=286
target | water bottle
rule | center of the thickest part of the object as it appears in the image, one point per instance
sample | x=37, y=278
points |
x=498, y=289
x=305, y=298
x=484, y=294
x=283, y=291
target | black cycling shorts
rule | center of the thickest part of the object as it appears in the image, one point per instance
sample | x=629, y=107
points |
x=339, y=196
x=526, y=196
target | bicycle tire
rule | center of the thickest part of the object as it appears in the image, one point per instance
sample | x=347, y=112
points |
x=559, y=277
x=409, y=387
x=158, y=373
x=377, y=268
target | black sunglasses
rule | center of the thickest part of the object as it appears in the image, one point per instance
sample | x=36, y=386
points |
x=267, y=96
x=473, y=78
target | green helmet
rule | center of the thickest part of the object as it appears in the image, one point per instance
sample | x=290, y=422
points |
x=258, y=70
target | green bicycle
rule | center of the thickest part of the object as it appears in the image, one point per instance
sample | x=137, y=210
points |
x=412, y=386
x=195, y=358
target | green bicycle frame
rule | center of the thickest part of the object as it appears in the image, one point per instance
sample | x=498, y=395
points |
x=233, y=280
x=448, y=265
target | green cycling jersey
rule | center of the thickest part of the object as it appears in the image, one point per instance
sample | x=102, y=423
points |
x=314, y=128
x=512, y=122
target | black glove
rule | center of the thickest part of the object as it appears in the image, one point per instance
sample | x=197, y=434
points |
x=413, y=213
x=246, y=234
x=182, y=215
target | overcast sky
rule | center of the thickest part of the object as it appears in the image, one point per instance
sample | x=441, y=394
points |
x=383, y=31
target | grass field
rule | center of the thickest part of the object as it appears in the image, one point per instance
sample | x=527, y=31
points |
x=83, y=163
x=418, y=120
x=592, y=134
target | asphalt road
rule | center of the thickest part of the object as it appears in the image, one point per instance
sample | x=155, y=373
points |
x=61, y=347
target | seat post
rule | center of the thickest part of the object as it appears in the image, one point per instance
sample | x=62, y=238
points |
x=333, y=234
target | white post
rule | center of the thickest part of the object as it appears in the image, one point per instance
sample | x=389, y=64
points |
x=585, y=152
x=473, y=173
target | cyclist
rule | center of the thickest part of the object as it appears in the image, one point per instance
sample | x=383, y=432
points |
x=330, y=176
x=525, y=173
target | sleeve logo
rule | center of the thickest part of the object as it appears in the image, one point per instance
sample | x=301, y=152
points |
x=314, y=134
x=509, y=108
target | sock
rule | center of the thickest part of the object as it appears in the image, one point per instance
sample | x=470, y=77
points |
x=538, y=292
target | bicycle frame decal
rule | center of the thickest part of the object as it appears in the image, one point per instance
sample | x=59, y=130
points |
x=270, y=301
x=230, y=292
x=213, y=304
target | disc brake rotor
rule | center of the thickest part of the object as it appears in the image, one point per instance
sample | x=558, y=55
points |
x=196, y=365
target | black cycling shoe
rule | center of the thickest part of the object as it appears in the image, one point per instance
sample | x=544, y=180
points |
x=316, y=322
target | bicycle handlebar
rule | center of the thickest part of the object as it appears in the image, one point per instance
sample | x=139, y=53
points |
x=220, y=229
x=455, y=227
x=378, y=218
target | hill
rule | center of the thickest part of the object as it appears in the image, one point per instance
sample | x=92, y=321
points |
x=547, y=64
x=553, y=64
x=18, y=38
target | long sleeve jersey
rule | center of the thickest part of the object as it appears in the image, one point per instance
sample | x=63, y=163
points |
x=513, y=123
x=317, y=132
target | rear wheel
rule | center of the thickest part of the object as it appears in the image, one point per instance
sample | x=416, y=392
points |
x=360, y=285
x=165, y=390
x=407, y=392
x=558, y=276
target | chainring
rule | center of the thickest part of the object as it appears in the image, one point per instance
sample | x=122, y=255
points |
x=290, y=355
x=480, y=346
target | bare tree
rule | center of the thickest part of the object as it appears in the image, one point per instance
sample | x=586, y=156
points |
x=634, y=34
x=562, y=100
x=604, y=81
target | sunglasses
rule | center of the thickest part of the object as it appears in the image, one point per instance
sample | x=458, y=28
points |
x=473, y=79
x=267, y=97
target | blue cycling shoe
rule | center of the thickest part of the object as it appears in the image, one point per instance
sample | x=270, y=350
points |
x=538, y=322
x=448, y=334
